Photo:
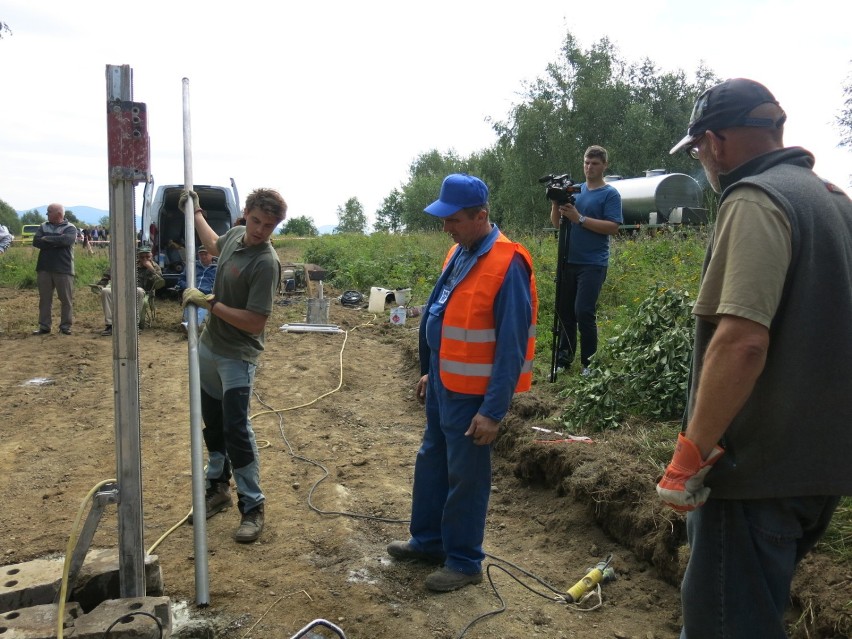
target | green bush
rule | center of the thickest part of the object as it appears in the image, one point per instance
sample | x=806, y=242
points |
x=357, y=262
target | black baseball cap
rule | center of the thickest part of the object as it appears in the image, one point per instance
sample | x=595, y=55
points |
x=728, y=105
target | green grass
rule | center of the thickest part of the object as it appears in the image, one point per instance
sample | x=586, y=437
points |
x=18, y=267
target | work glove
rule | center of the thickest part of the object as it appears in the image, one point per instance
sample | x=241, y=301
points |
x=183, y=198
x=194, y=296
x=682, y=486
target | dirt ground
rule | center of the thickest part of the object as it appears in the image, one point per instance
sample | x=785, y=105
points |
x=338, y=446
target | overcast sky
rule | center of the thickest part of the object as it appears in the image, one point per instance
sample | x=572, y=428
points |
x=330, y=100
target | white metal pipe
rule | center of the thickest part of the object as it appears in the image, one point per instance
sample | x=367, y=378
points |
x=199, y=517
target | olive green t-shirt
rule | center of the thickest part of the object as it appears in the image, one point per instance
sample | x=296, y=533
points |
x=751, y=254
x=247, y=278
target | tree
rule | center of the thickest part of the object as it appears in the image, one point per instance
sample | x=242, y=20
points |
x=4, y=28
x=69, y=215
x=32, y=217
x=104, y=222
x=389, y=216
x=844, y=120
x=351, y=218
x=9, y=218
x=302, y=226
x=584, y=98
x=426, y=174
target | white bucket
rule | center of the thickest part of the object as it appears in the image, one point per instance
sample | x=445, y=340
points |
x=397, y=316
x=318, y=310
x=402, y=296
x=378, y=296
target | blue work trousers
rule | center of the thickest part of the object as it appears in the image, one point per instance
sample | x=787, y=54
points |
x=452, y=482
x=743, y=554
x=218, y=376
x=577, y=308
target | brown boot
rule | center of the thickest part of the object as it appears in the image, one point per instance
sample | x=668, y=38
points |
x=217, y=499
x=251, y=525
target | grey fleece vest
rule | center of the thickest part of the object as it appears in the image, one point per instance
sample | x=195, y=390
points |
x=793, y=437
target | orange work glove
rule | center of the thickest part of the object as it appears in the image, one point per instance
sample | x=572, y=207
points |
x=682, y=486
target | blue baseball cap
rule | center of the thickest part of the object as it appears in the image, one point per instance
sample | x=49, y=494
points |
x=458, y=191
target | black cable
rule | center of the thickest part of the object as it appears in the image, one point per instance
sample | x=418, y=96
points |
x=557, y=596
x=128, y=618
x=323, y=478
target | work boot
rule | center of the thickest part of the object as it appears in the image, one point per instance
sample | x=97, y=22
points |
x=403, y=551
x=107, y=331
x=218, y=498
x=446, y=579
x=251, y=525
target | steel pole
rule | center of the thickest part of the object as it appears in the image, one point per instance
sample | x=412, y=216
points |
x=127, y=143
x=199, y=517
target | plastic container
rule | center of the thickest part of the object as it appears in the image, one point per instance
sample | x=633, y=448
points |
x=402, y=296
x=378, y=296
x=397, y=316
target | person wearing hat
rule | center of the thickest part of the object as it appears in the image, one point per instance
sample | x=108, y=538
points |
x=205, y=276
x=764, y=456
x=594, y=216
x=149, y=278
x=477, y=341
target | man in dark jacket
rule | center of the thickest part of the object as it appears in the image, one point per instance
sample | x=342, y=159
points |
x=764, y=456
x=55, y=269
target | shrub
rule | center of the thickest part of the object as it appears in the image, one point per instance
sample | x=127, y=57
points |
x=643, y=371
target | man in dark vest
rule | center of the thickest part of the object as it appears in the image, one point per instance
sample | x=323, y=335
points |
x=764, y=455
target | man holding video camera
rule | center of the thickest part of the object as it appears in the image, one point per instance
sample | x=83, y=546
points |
x=594, y=216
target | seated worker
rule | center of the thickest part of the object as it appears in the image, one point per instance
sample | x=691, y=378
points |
x=148, y=278
x=205, y=275
x=5, y=239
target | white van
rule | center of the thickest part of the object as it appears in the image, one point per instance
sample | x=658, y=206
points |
x=164, y=225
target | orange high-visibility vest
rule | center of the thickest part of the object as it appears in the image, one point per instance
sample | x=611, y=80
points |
x=468, y=337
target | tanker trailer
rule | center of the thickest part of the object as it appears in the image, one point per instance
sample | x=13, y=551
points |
x=660, y=198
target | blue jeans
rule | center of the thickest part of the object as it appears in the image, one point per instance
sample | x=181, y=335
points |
x=577, y=308
x=219, y=375
x=452, y=482
x=743, y=554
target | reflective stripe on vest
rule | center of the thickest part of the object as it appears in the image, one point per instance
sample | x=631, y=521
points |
x=468, y=337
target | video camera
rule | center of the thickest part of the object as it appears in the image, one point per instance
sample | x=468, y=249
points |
x=560, y=188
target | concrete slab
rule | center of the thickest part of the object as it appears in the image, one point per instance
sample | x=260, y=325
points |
x=128, y=619
x=36, y=622
x=37, y=582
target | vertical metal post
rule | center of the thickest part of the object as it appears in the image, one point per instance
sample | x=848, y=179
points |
x=199, y=518
x=128, y=164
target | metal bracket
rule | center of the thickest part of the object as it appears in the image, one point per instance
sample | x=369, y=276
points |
x=107, y=495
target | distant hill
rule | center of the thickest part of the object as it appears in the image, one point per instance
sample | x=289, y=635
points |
x=87, y=214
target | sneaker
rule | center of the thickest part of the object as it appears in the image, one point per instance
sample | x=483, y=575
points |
x=251, y=525
x=446, y=579
x=185, y=326
x=403, y=551
x=586, y=371
x=41, y=331
x=217, y=499
x=107, y=331
x=65, y=331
